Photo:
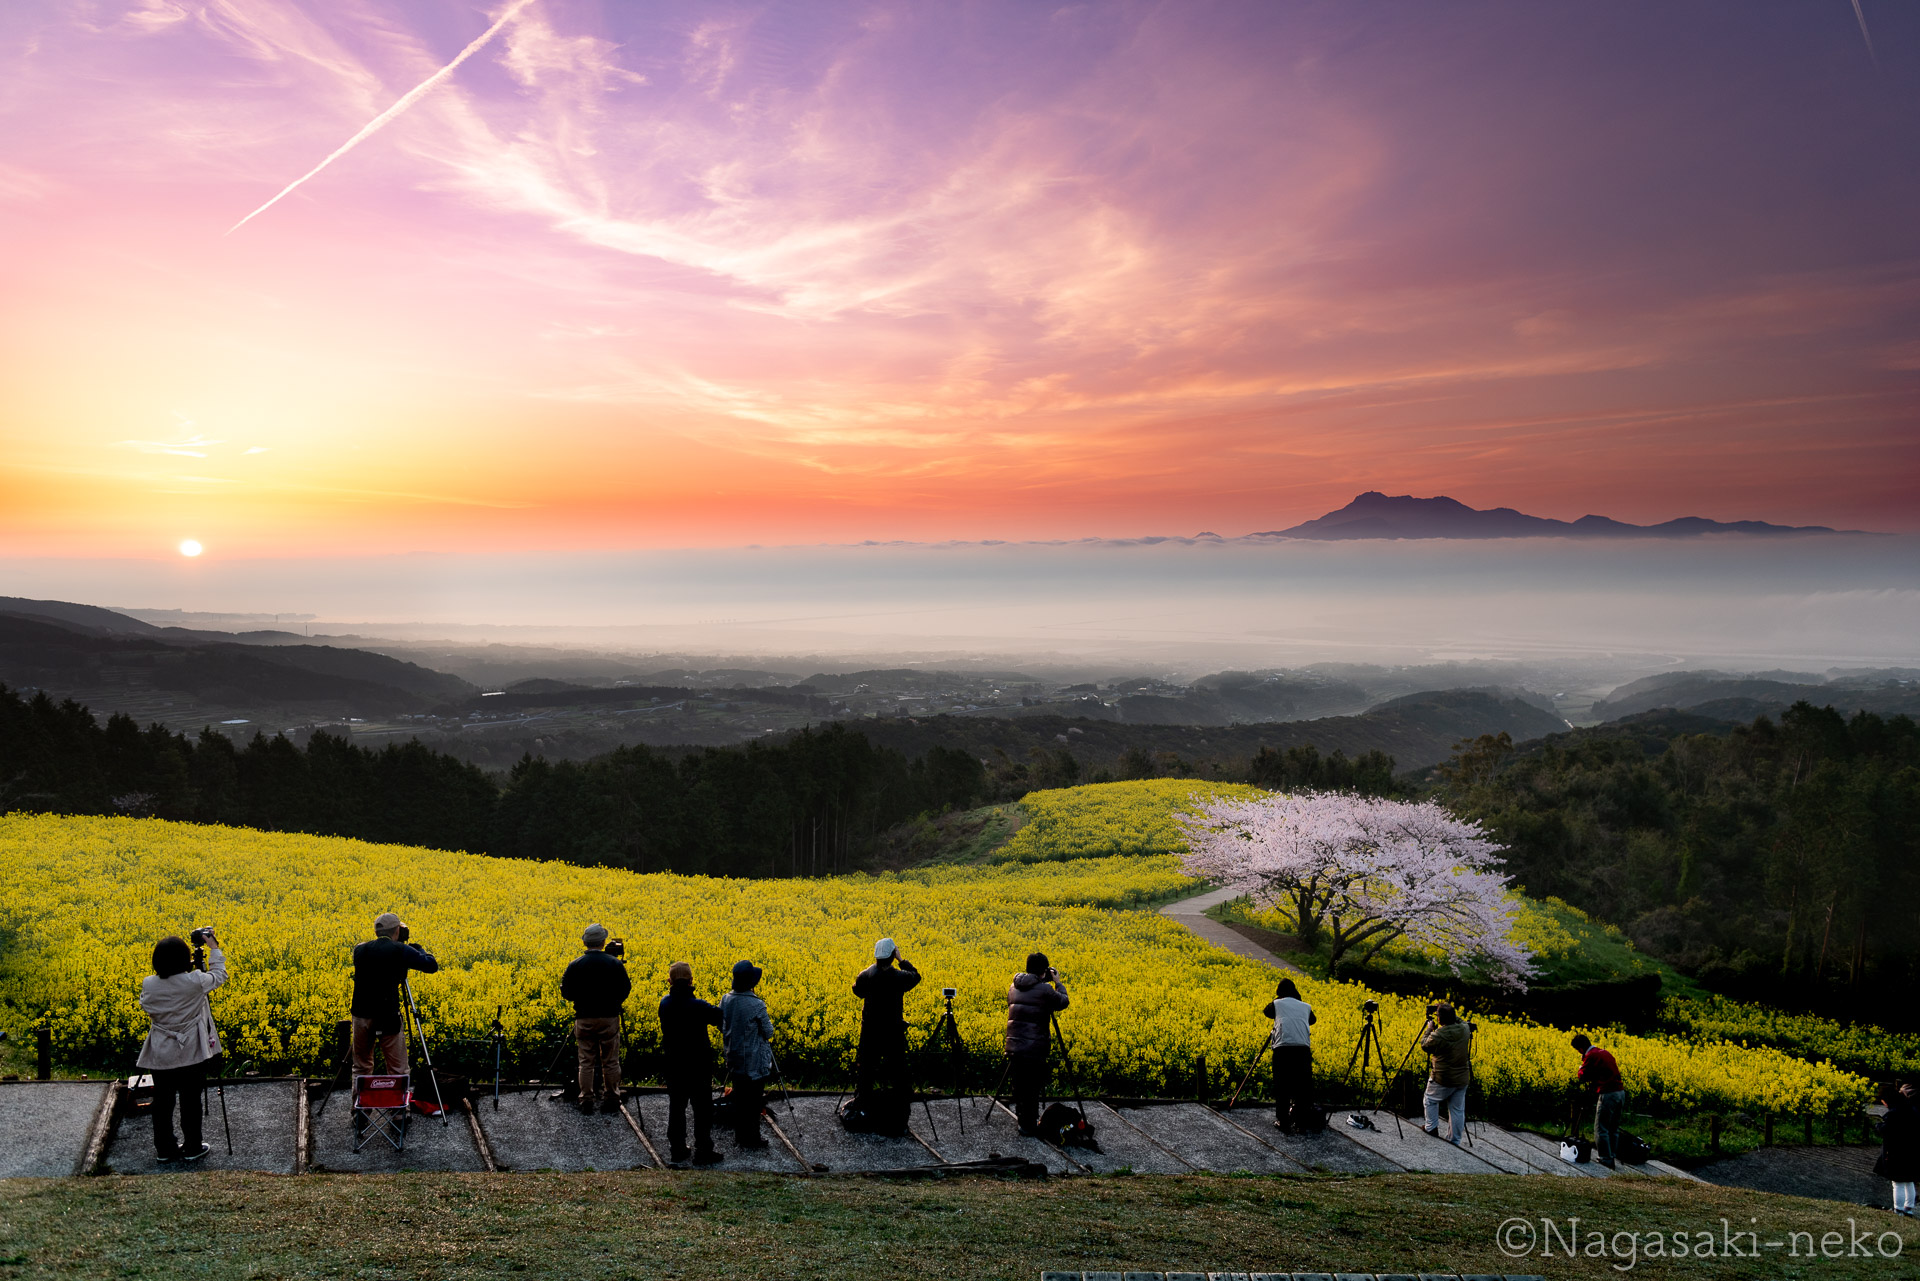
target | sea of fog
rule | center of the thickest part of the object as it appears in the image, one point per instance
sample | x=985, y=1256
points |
x=1796, y=601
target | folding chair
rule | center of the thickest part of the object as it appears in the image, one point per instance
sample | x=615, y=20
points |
x=380, y=1107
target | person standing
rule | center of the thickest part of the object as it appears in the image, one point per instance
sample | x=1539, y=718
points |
x=182, y=1042
x=1601, y=1074
x=1292, y=1055
x=748, y=1031
x=1899, y=1161
x=1035, y=995
x=684, y=1020
x=1449, y=1046
x=880, y=1091
x=380, y=965
x=597, y=985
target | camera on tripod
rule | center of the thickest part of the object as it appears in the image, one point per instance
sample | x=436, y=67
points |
x=1369, y=1007
x=949, y=993
x=617, y=949
x=199, y=936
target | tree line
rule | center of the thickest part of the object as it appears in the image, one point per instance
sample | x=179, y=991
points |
x=1780, y=861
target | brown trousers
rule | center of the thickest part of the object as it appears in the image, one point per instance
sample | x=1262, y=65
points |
x=599, y=1042
x=393, y=1045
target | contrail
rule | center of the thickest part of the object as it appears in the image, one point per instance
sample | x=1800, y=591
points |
x=380, y=121
x=1866, y=35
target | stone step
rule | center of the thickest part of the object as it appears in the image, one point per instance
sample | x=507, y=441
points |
x=262, y=1116
x=1203, y=1138
x=1412, y=1148
x=46, y=1126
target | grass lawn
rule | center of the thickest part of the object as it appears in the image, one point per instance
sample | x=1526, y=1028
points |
x=622, y=1225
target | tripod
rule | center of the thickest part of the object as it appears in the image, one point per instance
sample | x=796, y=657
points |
x=220, y=1082
x=1266, y=1043
x=499, y=1035
x=426, y=1054
x=949, y=1031
x=1365, y=1048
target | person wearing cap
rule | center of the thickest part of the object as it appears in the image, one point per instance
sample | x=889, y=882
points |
x=880, y=1089
x=1449, y=1046
x=379, y=967
x=597, y=984
x=1293, y=1021
x=1036, y=993
x=747, y=1030
x=684, y=1020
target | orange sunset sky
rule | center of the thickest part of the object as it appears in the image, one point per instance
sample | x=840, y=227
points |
x=713, y=274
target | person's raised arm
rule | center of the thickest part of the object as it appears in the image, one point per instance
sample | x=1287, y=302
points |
x=422, y=960
x=216, y=972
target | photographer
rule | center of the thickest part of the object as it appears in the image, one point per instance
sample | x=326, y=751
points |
x=1035, y=995
x=1600, y=1073
x=597, y=985
x=748, y=1031
x=880, y=1095
x=684, y=1020
x=1293, y=1020
x=1449, y=1046
x=183, y=1041
x=379, y=967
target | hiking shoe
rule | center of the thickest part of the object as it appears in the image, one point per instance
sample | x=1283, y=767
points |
x=195, y=1156
x=1607, y=1162
x=709, y=1157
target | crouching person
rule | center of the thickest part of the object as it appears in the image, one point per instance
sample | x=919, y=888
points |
x=684, y=1020
x=748, y=1032
x=183, y=1041
x=1035, y=995
x=598, y=985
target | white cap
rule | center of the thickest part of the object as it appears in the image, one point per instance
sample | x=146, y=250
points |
x=883, y=949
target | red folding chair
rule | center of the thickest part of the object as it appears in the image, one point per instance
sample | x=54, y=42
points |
x=380, y=1107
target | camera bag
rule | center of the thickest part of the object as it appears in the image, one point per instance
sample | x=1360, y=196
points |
x=1632, y=1149
x=1305, y=1118
x=453, y=1088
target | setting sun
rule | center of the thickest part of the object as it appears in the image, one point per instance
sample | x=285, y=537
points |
x=188, y=547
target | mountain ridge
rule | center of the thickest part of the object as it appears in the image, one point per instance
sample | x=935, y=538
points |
x=1377, y=515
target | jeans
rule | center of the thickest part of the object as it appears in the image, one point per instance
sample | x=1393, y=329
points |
x=1606, y=1124
x=185, y=1085
x=1027, y=1070
x=690, y=1087
x=393, y=1045
x=749, y=1096
x=599, y=1045
x=1454, y=1099
x=1292, y=1080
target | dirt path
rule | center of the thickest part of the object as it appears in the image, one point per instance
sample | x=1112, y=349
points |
x=1191, y=912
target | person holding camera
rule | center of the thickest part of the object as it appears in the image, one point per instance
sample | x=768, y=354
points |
x=747, y=1029
x=597, y=984
x=1449, y=1046
x=880, y=1092
x=183, y=1042
x=1601, y=1074
x=1293, y=1020
x=684, y=1020
x=380, y=965
x=1036, y=994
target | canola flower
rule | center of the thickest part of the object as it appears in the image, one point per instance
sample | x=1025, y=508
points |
x=1100, y=819
x=82, y=901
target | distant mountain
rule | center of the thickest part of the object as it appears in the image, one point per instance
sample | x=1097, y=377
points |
x=1377, y=515
x=1741, y=698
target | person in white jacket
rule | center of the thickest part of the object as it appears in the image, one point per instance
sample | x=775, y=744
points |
x=182, y=1041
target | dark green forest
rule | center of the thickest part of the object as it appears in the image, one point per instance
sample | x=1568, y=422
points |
x=1779, y=861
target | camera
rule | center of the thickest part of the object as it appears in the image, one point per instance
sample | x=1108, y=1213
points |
x=1432, y=1008
x=1053, y=973
x=1370, y=1006
x=617, y=948
x=200, y=935
x=949, y=992
x=404, y=933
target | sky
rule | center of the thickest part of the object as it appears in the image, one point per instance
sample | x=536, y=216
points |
x=653, y=275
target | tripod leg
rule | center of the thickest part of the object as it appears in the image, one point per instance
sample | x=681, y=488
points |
x=994, y=1100
x=1252, y=1063
x=426, y=1054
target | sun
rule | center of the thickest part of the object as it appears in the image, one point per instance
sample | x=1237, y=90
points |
x=188, y=547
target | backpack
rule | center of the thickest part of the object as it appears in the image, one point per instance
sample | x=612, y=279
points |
x=1066, y=1127
x=452, y=1089
x=883, y=1114
x=1632, y=1149
x=1305, y=1118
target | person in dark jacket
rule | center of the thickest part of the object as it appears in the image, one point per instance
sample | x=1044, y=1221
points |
x=684, y=1020
x=1292, y=1054
x=747, y=1029
x=1449, y=1046
x=1601, y=1074
x=598, y=985
x=1899, y=1161
x=880, y=1093
x=1035, y=995
x=379, y=966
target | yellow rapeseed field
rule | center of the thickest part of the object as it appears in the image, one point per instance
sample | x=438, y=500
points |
x=1100, y=819
x=83, y=899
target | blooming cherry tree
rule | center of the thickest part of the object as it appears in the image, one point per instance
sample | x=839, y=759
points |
x=1362, y=872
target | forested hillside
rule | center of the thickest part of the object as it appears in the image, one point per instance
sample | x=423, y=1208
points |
x=1780, y=861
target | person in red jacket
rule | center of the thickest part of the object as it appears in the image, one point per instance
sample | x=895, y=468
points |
x=1601, y=1074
